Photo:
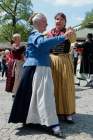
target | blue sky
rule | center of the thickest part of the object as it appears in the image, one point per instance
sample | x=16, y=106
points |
x=75, y=10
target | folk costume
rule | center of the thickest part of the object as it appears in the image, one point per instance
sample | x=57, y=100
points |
x=10, y=77
x=87, y=57
x=34, y=101
x=14, y=70
x=86, y=65
x=63, y=76
x=18, y=54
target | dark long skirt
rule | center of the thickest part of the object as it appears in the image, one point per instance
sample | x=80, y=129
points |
x=86, y=64
x=23, y=96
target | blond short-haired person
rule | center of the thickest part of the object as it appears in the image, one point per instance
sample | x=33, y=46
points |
x=19, y=60
x=34, y=102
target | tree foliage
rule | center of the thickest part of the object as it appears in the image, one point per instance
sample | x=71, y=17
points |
x=7, y=32
x=88, y=19
x=12, y=11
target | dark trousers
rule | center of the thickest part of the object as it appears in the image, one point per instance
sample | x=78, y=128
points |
x=4, y=70
x=75, y=64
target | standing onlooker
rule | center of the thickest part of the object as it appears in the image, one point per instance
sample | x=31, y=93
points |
x=18, y=56
x=86, y=66
x=75, y=56
x=10, y=76
x=0, y=63
x=63, y=72
x=4, y=66
x=15, y=64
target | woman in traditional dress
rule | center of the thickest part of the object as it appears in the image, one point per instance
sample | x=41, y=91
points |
x=18, y=55
x=34, y=101
x=63, y=72
x=15, y=64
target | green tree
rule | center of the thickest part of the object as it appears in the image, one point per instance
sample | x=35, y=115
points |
x=12, y=11
x=7, y=30
x=88, y=19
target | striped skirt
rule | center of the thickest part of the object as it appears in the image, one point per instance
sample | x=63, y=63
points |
x=34, y=101
x=64, y=90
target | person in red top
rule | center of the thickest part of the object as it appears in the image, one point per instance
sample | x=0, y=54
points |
x=18, y=56
x=15, y=64
x=10, y=76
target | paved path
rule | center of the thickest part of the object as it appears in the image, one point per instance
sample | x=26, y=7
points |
x=81, y=130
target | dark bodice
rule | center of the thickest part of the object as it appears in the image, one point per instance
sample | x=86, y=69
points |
x=18, y=52
x=62, y=48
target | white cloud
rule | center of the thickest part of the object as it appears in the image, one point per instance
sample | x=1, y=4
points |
x=79, y=18
x=70, y=2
